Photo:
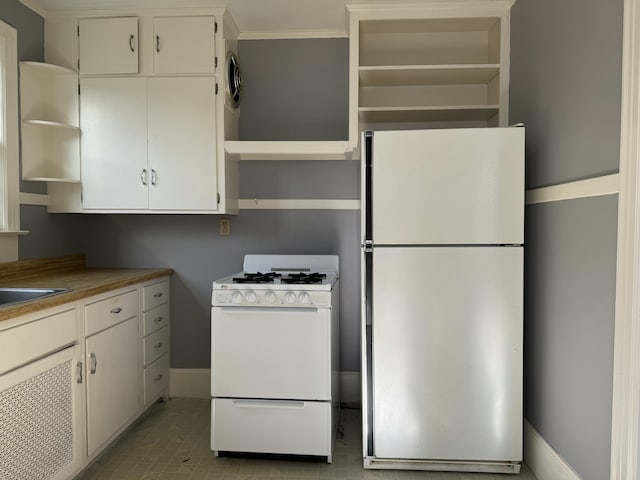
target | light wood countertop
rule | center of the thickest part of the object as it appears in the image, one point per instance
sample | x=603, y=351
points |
x=69, y=273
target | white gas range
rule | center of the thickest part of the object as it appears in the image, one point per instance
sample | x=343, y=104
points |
x=275, y=356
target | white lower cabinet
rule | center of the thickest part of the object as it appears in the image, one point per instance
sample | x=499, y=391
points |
x=156, y=342
x=41, y=401
x=112, y=381
x=74, y=377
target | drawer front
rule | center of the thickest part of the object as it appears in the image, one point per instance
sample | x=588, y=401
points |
x=271, y=426
x=156, y=345
x=154, y=295
x=26, y=342
x=110, y=311
x=156, y=318
x=156, y=379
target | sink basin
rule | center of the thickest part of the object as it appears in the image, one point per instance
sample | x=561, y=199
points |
x=14, y=295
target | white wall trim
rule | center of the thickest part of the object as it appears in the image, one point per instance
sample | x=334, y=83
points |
x=625, y=425
x=196, y=383
x=297, y=204
x=543, y=460
x=34, y=199
x=591, y=187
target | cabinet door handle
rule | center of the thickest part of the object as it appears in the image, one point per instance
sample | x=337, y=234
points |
x=158, y=378
x=116, y=310
x=93, y=364
x=143, y=177
x=158, y=345
x=157, y=295
x=131, y=39
x=154, y=176
x=158, y=43
x=158, y=320
x=79, y=367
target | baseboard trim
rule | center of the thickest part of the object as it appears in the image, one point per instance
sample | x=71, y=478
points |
x=196, y=383
x=543, y=460
x=190, y=382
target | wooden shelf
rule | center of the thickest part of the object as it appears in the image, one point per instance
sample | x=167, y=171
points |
x=51, y=179
x=289, y=150
x=48, y=123
x=406, y=75
x=47, y=68
x=427, y=114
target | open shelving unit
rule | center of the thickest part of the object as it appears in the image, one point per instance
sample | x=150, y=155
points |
x=428, y=66
x=50, y=123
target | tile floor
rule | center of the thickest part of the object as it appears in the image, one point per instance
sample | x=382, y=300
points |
x=171, y=442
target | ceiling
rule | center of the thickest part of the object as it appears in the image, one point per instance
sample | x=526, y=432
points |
x=254, y=17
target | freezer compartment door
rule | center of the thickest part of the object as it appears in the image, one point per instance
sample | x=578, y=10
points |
x=447, y=353
x=460, y=186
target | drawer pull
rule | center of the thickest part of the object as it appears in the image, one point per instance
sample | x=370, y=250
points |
x=158, y=345
x=157, y=295
x=158, y=377
x=94, y=363
x=158, y=320
x=116, y=310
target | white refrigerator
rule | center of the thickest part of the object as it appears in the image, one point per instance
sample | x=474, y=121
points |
x=442, y=289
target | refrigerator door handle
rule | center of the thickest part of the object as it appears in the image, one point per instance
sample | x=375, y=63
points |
x=368, y=184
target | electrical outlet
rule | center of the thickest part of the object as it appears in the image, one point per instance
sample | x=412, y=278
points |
x=225, y=227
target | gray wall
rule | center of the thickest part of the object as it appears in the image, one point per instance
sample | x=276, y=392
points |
x=565, y=87
x=191, y=244
x=50, y=235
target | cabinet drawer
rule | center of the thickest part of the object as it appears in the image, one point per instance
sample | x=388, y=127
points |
x=156, y=378
x=271, y=426
x=156, y=345
x=154, y=295
x=24, y=343
x=156, y=318
x=106, y=313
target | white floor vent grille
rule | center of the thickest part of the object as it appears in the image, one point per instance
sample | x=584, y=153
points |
x=36, y=428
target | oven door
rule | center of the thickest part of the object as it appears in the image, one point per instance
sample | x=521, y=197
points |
x=271, y=352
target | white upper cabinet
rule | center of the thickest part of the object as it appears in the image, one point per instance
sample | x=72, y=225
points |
x=182, y=143
x=114, y=143
x=184, y=45
x=108, y=45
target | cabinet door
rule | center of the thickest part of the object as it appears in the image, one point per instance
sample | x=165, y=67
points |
x=182, y=144
x=113, y=377
x=108, y=45
x=184, y=45
x=40, y=418
x=113, y=120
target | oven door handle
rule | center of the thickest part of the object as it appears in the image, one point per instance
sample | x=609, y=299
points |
x=257, y=310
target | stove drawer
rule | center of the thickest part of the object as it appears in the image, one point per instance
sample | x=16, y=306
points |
x=271, y=426
x=282, y=353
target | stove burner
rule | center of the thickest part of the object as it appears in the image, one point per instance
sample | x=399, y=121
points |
x=304, y=278
x=256, y=278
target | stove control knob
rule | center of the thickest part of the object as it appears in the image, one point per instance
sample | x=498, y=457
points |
x=304, y=298
x=236, y=297
x=251, y=297
x=270, y=297
x=290, y=297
